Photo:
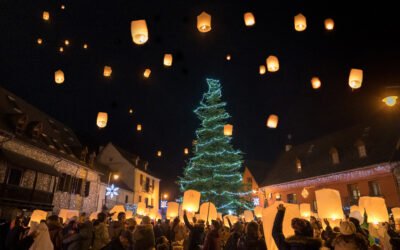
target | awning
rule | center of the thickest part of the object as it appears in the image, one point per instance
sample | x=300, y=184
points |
x=28, y=163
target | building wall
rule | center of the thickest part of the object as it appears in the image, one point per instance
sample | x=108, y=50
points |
x=119, y=199
x=139, y=189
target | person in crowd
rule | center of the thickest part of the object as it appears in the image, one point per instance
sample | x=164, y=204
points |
x=143, y=237
x=42, y=237
x=213, y=240
x=130, y=225
x=162, y=243
x=328, y=235
x=349, y=238
x=16, y=233
x=71, y=237
x=196, y=234
x=55, y=231
x=122, y=242
x=303, y=233
x=101, y=237
x=85, y=228
x=165, y=229
x=157, y=230
x=236, y=233
x=177, y=231
x=116, y=227
x=252, y=238
x=317, y=226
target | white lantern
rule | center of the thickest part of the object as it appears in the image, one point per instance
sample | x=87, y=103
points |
x=172, y=210
x=262, y=69
x=168, y=60
x=300, y=23
x=396, y=213
x=107, y=71
x=248, y=215
x=46, y=15
x=139, y=31
x=102, y=119
x=329, y=204
x=355, y=78
x=204, y=22
x=128, y=214
x=249, y=19
x=66, y=214
x=208, y=209
x=191, y=200
x=37, y=216
x=272, y=63
x=329, y=24
x=228, y=129
x=375, y=207
x=258, y=211
x=272, y=121
x=116, y=210
x=305, y=210
x=141, y=208
x=59, y=76
x=93, y=215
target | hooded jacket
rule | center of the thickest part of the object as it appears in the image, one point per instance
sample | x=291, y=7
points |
x=55, y=231
x=101, y=237
x=144, y=237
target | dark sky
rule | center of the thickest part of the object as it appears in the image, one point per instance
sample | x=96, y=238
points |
x=365, y=37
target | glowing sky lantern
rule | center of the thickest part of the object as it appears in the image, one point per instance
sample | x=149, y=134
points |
x=228, y=57
x=168, y=60
x=46, y=15
x=186, y=151
x=272, y=121
x=390, y=100
x=85, y=46
x=172, y=210
x=39, y=40
x=249, y=19
x=329, y=204
x=116, y=210
x=141, y=208
x=37, y=216
x=305, y=210
x=146, y=73
x=102, y=119
x=315, y=83
x=61, y=49
x=59, y=76
x=139, y=31
x=355, y=78
x=66, y=214
x=159, y=153
x=300, y=23
x=191, y=201
x=228, y=129
x=139, y=127
x=272, y=63
x=262, y=69
x=63, y=7
x=130, y=111
x=208, y=209
x=248, y=215
x=107, y=71
x=258, y=211
x=66, y=42
x=375, y=207
x=329, y=24
x=204, y=22
x=396, y=213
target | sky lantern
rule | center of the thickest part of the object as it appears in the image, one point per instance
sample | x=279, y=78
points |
x=300, y=23
x=258, y=211
x=93, y=215
x=139, y=127
x=168, y=60
x=107, y=71
x=262, y=69
x=130, y=111
x=61, y=49
x=139, y=31
x=305, y=210
x=272, y=64
x=46, y=15
x=315, y=83
x=396, y=213
x=390, y=100
x=355, y=78
x=375, y=207
x=128, y=214
x=204, y=22
x=59, y=76
x=141, y=208
x=172, y=210
x=39, y=40
x=329, y=24
x=62, y=6
x=159, y=153
x=37, y=216
x=66, y=42
x=66, y=214
x=147, y=73
x=85, y=46
x=228, y=129
x=248, y=215
x=249, y=19
x=208, y=209
x=186, y=151
x=191, y=201
x=102, y=119
x=329, y=204
x=228, y=57
x=272, y=121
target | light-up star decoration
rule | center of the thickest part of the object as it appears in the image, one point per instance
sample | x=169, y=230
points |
x=112, y=191
x=256, y=201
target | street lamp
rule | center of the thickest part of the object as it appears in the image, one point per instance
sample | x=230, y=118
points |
x=165, y=196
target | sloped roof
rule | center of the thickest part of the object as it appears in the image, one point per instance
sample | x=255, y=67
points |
x=257, y=169
x=105, y=171
x=380, y=137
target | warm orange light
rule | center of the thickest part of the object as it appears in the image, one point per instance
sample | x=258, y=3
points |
x=147, y=73
x=66, y=42
x=186, y=151
x=390, y=100
x=262, y=69
x=46, y=15
x=249, y=19
x=355, y=78
x=159, y=153
x=63, y=7
x=139, y=127
x=139, y=31
x=168, y=60
x=228, y=57
x=329, y=24
x=59, y=76
x=165, y=196
x=85, y=46
x=272, y=121
x=228, y=129
x=115, y=176
x=107, y=71
x=204, y=22
x=102, y=119
x=39, y=40
x=300, y=23
x=61, y=49
x=315, y=82
x=272, y=64
x=130, y=111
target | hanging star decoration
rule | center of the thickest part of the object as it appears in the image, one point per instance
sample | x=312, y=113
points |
x=112, y=191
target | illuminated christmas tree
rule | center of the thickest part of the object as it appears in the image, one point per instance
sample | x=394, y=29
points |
x=214, y=168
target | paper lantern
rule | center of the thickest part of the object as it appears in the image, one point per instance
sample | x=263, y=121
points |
x=248, y=215
x=204, y=22
x=329, y=24
x=158, y=216
x=61, y=49
x=66, y=42
x=139, y=127
x=168, y=60
x=102, y=119
x=390, y=100
x=305, y=210
x=262, y=69
x=219, y=216
x=141, y=208
x=228, y=57
x=396, y=213
x=152, y=213
x=300, y=23
x=186, y=151
x=191, y=200
x=59, y=76
x=272, y=64
x=93, y=215
x=37, y=216
x=67, y=214
x=139, y=31
x=272, y=121
x=208, y=209
x=85, y=46
x=46, y=15
x=315, y=83
x=249, y=19
x=159, y=153
x=107, y=71
x=375, y=207
x=172, y=210
x=130, y=111
x=63, y=7
x=228, y=130
x=39, y=40
x=147, y=73
x=128, y=214
x=355, y=78
x=356, y=208
x=258, y=211
x=116, y=210
x=329, y=204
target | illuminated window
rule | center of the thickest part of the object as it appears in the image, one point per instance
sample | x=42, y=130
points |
x=374, y=188
x=278, y=196
x=362, y=152
x=140, y=198
x=298, y=165
x=354, y=191
x=291, y=198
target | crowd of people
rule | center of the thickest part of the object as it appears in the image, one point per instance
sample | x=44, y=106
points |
x=107, y=234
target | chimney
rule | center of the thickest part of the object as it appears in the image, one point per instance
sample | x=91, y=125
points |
x=137, y=160
x=288, y=145
x=145, y=165
x=92, y=156
x=84, y=152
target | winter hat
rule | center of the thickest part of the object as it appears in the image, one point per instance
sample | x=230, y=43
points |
x=302, y=227
x=347, y=228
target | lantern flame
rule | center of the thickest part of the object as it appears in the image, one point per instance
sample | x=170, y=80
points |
x=139, y=31
x=102, y=119
x=272, y=64
x=262, y=69
x=390, y=100
x=147, y=73
x=107, y=71
x=39, y=40
x=59, y=76
x=168, y=60
x=139, y=127
x=300, y=23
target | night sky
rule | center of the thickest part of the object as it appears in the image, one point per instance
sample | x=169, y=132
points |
x=365, y=37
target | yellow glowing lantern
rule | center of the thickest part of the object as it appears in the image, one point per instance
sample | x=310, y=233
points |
x=62, y=6
x=128, y=214
x=93, y=215
x=141, y=208
x=329, y=24
x=248, y=215
x=85, y=46
x=191, y=200
x=66, y=42
x=116, y=210
x=228, y=129
x=59, y=76
x=39, y=40
x=375, y=207
x=355, y=78
x=139, y=127
x=258, y=211
x=272, y=64
x=355, y=208
x=228, y=57
x=305, y=210
x=315, y=82
x=262, y=69
x=147, y=73
x=102, y=119
x=390, y=100
x=172, y=210
x=139, y=31
x=130, y=111
x=67, y=214
x=46, y=15
x=186, y=151
x=204, y=22
x=168, y=60
x=272, y=121
x=249, y=19
x=159, y=153
x=300, y=23
x=37, y=216
x=61, y=49
x=107, y=71
x=396, y=213
x=208, y=209
x=329, y=204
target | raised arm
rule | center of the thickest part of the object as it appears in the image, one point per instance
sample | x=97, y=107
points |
x=187, y=223
x=277, y=232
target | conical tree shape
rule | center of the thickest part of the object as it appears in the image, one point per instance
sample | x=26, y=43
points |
x=214, y=168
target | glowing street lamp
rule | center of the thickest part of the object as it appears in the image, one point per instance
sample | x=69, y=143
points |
x=390, y=100
x=165, y=196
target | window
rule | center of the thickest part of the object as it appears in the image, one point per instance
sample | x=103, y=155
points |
x=334, y=156
x=146, y=201
x=87, y=188
x=374, y=188
x=291, y=198
x=315, y=206
x=76, y=185
x=14, y=178
x=67, y=184
x=298, y=165
x=354, y=191
x=141, y=179
x=61, y=182
x=140, y=198
x=278, y=196
x=126, y=198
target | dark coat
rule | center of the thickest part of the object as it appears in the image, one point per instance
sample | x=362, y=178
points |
x=249, y=243
x=232, y=242
x=295, y=242
x=144, y=237
x=86, y=233
x=115, y=229
x=212, y=241
x=55, y=231
x=115, y=244
x=14, y=237
x=196, y=235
